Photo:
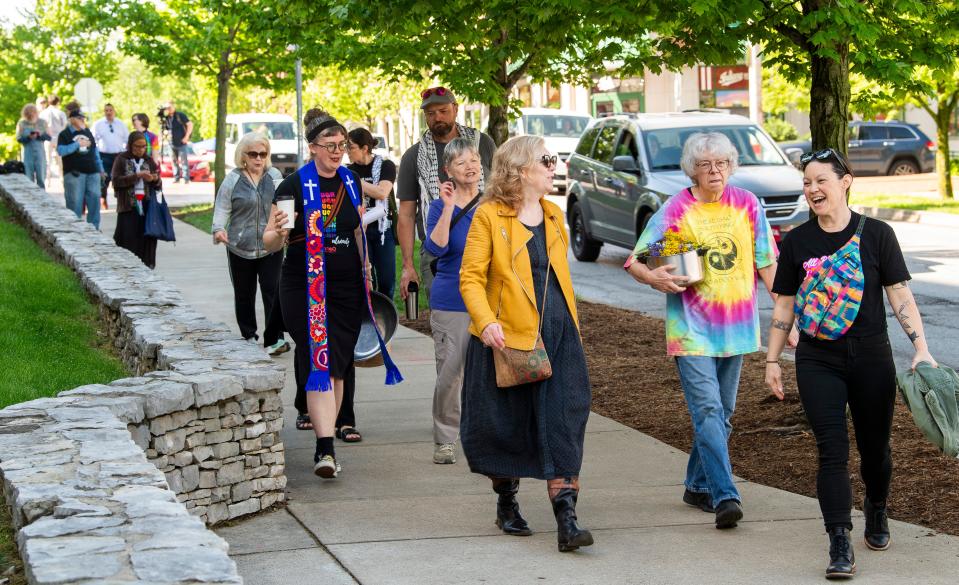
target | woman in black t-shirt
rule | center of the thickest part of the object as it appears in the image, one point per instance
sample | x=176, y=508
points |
x=852, y=367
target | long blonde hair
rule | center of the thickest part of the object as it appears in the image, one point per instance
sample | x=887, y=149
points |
x=511, y=159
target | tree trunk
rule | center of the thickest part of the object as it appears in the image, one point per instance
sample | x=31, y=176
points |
x=829, y=101
x=498, y=127
x=942, y=153
x=222, y=95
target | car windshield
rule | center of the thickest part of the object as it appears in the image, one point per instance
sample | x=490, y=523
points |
x=556, y=126
x=272, y=130
x=664, y=147
x=380, y=142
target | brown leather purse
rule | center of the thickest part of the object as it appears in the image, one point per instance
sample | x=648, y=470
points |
x=515, y=367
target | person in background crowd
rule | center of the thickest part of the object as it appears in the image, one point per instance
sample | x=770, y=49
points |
x=710, y=325
x=240, y=215
x=449, y=320
x=324, y=290
x=82, y=167
x=56, y=122
x=516, y=285
x=136, y=181
x=32, y=132
x=141, y=123
x=421, y=175
x=181, y=128
x=847, y=362
x=111, y=135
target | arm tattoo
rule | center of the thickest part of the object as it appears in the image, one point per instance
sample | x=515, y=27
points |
x=903, y=318
x=777, y=324
x=913, y=336
x=900, y=285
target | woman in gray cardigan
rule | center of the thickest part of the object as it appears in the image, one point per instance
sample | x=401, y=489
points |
x=241, y=213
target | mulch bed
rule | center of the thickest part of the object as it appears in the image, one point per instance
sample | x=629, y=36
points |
x=635, y=383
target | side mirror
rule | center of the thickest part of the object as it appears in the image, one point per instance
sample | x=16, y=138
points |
x=625, y=164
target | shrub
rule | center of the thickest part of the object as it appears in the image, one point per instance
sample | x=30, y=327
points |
x=780, y=130
x=9, y=147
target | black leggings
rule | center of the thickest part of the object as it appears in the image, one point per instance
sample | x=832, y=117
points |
x=859, y=372
x=244, y=274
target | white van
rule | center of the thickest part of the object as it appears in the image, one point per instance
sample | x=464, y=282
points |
x=560, y=128
x=279, y=128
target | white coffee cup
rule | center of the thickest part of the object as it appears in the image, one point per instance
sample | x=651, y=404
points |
x=286, y=206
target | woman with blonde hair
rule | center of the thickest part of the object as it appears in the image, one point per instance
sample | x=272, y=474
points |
x=32, y=132
x=516, y=286
x=240, y=216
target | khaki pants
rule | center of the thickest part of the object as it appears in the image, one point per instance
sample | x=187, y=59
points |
x=450, y=337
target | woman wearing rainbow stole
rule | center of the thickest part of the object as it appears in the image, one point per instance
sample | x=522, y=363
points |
x=324, y=284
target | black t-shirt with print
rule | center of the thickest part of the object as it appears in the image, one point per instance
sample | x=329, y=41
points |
x=882, y=263
x=339, y=238
x=178, y=122
x=365, y=173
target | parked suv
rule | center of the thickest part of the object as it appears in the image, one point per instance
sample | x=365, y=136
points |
x=560, y=129
x=626, y=166
x=881, y=148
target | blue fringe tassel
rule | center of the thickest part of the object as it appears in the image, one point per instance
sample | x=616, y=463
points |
x=319, y=382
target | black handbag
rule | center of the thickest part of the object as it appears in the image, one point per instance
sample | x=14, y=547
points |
x=435, y=262
x=159, y=222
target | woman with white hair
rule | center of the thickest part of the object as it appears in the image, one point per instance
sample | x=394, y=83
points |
x=240, y=216
x=711, y=324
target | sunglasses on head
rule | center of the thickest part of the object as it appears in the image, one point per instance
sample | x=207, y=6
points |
x=824, y=154
x=433, y=90
x=254, y=154
x=548, y=160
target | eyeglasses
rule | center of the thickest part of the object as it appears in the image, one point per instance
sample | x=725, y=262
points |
x=139, y=145
x=253, y=154
x=433, y=90
x=824, y=154
x=332, y=147
x=548, y=161
x=708, y=165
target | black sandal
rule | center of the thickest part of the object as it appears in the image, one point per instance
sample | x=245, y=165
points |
x=349, y=434
x=303, y=422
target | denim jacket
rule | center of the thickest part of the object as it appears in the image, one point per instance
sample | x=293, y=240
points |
x=242, y=210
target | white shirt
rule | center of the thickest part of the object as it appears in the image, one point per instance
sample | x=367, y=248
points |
x=56, y=121
x=111, y=142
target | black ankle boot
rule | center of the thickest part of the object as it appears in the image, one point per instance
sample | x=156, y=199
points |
x=507, y=508
x=842, y=559
x=877, y=525
x=569, y=536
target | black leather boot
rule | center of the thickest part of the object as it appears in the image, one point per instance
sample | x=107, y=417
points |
x=507, y=508
x=877, y=525
x=569, y=536
x=842, y=559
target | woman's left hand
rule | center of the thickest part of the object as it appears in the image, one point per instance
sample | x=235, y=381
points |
x=923, y=356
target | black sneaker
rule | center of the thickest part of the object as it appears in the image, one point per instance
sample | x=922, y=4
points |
x=699, y=500
x=728, y=514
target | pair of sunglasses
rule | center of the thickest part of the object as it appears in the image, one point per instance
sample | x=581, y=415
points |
x=548, y=160
x=433, y=90
x=824, y=154
x=253, y=154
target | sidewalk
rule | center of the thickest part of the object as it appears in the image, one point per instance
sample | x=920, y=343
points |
x=393, y=517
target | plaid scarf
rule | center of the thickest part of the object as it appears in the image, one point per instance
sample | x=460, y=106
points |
x=319, y=379
x=428, y=167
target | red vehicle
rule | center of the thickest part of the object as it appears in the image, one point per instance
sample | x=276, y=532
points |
x=201, y=163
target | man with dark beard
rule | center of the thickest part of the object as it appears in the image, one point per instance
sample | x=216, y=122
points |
x=421, y=175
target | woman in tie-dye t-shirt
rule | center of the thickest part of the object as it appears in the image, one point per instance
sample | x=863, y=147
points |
x=710, y=325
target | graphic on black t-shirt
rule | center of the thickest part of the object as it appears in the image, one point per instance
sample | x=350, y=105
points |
x=723, y=252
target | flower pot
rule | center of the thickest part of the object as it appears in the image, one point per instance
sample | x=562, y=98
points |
x=688, y=264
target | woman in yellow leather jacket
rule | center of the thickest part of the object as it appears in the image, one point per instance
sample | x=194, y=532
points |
x=514, y=271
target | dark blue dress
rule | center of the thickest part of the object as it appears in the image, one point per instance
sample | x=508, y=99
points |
x=534, y=430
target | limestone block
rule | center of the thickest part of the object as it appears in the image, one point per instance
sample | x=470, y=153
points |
x=217, y=512
x=220, y=493
x=255, y=430
x=211, y=464
x=207, y=479
x=183, y=418
x=267, y=500
x=210, y=388
x=219, y=436
x=171, y=442
x=196, y=438
x=276, y=470
x=200, y=494
x=242, y=491
x=209, y=411
x=140, y=435
x=245, y=507
x=70, y=559
x=175, y=480
x=247, y=445
x=183, y=458
x=231, y=420
x=253, y=418
x=161, y=424
x=211, y=424
x=251, y=461
x=275, y=425
x=249, y=405
x=187, y=564
x=229, y=474
x=268, y=440
x=191, y=477
x=202, y=453
x=226, y=450
x=229, y=408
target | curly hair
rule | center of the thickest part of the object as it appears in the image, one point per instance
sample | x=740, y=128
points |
x=511, y=159
x=316, y=117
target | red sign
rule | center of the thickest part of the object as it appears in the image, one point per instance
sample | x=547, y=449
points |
x=730, y=77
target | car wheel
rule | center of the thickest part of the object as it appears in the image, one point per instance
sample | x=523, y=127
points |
x=903, y=167
x=585, y=249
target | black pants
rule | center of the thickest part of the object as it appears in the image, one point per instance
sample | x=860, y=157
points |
x=107, y=159
x=244, y=274
x=859, y=372
x=346, y=417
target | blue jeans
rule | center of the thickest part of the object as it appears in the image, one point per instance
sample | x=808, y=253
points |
x=710, y=385
x=383, y=259
x=83, y=188
x=181, y=163
x=35, y=163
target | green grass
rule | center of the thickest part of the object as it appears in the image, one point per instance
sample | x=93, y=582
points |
x=50, y=340
x=907, y=202
x=397, y=299
x=199, y=216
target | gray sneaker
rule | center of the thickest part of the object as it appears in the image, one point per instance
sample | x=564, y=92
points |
x=444, y=453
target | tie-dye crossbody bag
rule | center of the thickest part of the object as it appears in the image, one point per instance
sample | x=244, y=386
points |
x=829, y=298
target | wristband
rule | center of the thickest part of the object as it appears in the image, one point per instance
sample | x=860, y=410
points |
x=772, y=362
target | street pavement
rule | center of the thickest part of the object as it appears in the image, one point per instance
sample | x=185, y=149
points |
x=394, y=517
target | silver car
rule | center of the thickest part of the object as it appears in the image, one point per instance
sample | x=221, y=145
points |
x=626, y=166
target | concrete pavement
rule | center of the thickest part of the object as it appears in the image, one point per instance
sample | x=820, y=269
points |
x=393, y=517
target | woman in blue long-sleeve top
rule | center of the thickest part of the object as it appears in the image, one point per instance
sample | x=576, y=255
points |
x=32, y=132
x=447, y=226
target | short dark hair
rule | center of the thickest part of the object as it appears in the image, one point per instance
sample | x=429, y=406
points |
x=54, y=100
x=362, y=137
x=143, y=118
x=108, y=105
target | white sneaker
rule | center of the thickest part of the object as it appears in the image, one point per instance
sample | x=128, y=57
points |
x=444, y=453
x=281, y=346
x=326, y=467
